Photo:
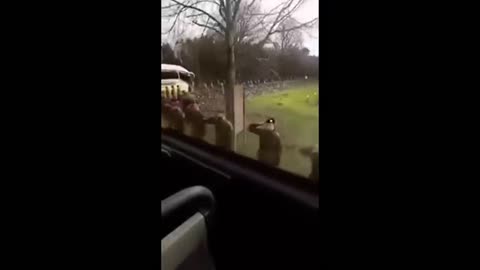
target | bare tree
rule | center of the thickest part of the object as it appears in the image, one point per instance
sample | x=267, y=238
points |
x=236, y=21
x=285, y=40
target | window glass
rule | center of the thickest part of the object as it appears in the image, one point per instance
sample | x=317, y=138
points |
x=169, y=75
x=255, y=93
x=185, y=77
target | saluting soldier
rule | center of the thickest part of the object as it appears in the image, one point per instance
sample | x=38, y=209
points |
x=312, y=153
x=194, y=119
x=270, y=148
x=223, y=131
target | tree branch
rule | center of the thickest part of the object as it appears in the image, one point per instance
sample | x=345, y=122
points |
x=221, y=10
x=288, y=8
x=251, y=4
x=174, y=22
x=277, y=20
x=235, y=10
x=211, y=27
x=194, y=15
x=306, y=24
x=222, y=27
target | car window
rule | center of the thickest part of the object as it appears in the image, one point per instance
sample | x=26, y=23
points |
x=255, y=90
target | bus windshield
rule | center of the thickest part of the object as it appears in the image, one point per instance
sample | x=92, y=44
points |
x=185, y=77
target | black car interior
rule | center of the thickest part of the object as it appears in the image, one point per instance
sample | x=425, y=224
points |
x=245, y=215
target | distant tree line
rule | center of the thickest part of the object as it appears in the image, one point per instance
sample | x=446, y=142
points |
x=235, y=23
x=205, y=56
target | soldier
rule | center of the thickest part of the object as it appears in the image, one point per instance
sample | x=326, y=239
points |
x=270, y=149
x=176, y=116
x=194, y=119
x=312, y=154
x=186, y=100
x=223, y=131
x=165, y=111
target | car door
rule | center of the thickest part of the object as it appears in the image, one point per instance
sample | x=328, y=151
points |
x=260, y=220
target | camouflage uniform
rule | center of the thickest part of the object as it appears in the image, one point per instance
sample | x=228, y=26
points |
x=270, y=148
x=223, y=132
x=176, y=117
x=195, y=120
x=164, y=113
x=187, y=99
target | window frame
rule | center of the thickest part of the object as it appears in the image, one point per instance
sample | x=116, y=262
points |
x=232, y=164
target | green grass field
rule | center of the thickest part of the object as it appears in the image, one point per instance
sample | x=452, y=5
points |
x=296, y=113
x=296, y=120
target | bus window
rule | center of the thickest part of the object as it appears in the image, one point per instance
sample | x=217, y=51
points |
x=184, y=77
x=169, y=75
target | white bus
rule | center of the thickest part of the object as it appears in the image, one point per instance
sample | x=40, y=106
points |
x=176, y=80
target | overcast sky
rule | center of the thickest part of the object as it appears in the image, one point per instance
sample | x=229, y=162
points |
x=307, y=12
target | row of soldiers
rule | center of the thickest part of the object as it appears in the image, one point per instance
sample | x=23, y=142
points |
x=184, y=116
